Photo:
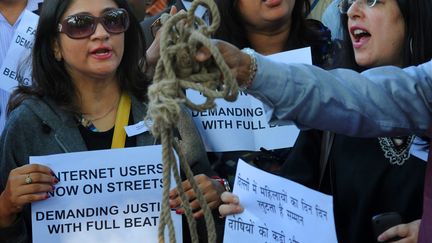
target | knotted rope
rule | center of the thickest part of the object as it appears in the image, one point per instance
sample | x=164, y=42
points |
x=175, y=72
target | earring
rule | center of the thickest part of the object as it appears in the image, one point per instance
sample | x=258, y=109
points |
x=58, y=56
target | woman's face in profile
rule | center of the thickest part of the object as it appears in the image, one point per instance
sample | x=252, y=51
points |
x=377, y=33
x=261, y=14
x=97, y=55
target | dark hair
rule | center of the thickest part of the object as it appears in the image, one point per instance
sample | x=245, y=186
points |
x=50, y=78
x=417, y=46
x=303, y=32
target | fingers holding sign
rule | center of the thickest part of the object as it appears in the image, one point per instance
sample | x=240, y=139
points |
x=25, y=184
x=231, y=204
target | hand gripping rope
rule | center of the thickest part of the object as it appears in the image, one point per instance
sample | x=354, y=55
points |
x=182, y=35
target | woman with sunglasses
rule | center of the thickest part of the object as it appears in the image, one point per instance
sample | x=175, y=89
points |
x=365, y=175
x=87, y=61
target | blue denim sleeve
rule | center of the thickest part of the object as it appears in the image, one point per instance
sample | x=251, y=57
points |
x=384, y=101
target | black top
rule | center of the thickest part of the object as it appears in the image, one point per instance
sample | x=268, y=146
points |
x=362, y=181
x=102, y=140
x=323, y=49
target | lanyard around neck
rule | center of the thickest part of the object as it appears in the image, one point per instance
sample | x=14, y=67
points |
x=122, y=120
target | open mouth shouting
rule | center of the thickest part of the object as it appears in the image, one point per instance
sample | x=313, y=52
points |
x=101, y=52
x=359, y=36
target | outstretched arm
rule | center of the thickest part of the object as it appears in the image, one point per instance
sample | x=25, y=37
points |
x=378, y=102
x=384, y=101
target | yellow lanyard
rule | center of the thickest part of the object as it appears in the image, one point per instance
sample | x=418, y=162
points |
x=122, y=119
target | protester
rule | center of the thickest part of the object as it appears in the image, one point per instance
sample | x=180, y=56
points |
x=353, y=218
x=377, y=102
x=385, y=101
x=270, y=30
x=87, y=57
x=364, y=175
x=10, y=17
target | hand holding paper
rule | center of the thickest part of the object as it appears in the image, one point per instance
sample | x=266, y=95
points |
x=277, y=209
x=25, y=184
x=231, y=204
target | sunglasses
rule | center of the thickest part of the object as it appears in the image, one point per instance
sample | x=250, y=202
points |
x=345, y=5
x=81, y=26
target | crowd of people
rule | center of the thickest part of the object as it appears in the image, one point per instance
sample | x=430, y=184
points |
x=375, y=80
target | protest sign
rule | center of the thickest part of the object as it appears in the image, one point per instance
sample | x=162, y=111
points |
x=103, y=196
x=243, y=124
x=18, y=54
x=278, y=210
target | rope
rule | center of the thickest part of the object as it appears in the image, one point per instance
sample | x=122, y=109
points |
x=175, y=72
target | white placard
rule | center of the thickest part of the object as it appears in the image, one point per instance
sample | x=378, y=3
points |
x=278, y=210
x=103, y=196
x=243, y=124
x=19, y=50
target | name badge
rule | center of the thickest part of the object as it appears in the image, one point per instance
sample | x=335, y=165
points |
x=140, y=127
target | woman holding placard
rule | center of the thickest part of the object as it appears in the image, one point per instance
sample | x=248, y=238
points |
x=88, y=84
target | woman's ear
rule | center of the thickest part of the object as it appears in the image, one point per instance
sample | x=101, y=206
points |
x=56, y=50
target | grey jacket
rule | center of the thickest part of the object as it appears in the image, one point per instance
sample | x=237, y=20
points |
x=40, y=127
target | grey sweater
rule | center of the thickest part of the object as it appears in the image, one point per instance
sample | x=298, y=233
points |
x=40, y=127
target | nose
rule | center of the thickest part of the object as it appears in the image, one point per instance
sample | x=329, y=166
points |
x=355, y=10
x=100, y=32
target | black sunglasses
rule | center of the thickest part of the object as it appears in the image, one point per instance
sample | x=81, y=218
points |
x=80, y=26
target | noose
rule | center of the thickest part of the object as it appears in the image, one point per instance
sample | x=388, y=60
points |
x=183, y=34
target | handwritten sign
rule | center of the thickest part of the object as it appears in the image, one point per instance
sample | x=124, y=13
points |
x=19, y=50
x=278, y=210
x=243, y=124
x=103, y=196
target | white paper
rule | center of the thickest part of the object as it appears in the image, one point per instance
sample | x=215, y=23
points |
x=18, y=53
x=133, y=130
x=278, y=210
x=243, y=124
x=105, y=185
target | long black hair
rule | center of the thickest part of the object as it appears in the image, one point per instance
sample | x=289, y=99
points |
x=417, y=46
x=50, y=78
x=304, y=32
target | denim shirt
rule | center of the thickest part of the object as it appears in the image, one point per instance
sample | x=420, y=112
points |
x=383, y=101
